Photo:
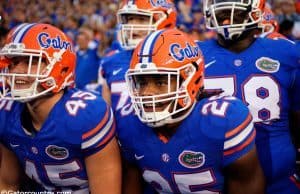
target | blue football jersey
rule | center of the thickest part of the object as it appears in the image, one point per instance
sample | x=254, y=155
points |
x=114, y=69
x=266, y=78
x=217, y=132
x=79, y=125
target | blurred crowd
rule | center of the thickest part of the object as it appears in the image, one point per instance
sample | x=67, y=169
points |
x=96, y=19
x=92, y=24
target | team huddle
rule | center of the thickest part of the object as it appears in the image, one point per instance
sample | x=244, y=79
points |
x=176, y=115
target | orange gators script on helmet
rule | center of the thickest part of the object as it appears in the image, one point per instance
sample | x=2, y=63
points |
x=173, y=58
x=153, y=15
x=50, y=61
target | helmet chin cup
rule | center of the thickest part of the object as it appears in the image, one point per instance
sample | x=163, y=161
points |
x=231, y=33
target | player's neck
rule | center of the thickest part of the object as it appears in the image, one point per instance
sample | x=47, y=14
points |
x=240, y=44
x=40, y=108
x=165, y=132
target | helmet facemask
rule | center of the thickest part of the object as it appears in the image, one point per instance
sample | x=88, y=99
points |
x=132, y=34
x=231, y=18
x=163, y=107
x=39, y=66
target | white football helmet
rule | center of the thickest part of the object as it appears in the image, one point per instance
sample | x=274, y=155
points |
x=230, y=18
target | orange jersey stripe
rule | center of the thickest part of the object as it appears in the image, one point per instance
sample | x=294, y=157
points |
x=98, y=127
x=163, y=138
x=242, y=146
x=109, y=136
x=240, y=127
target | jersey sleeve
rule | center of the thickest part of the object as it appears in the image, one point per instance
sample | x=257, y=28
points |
x=127, y=153
x=128, y=134
x=6, y=112
x=240, y=133
x=103, y=67
x=2, y=125
x=106, y=65
x=96, y=137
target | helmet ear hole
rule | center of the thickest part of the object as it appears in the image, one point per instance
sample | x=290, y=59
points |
x=198, y=80
x=64, y=70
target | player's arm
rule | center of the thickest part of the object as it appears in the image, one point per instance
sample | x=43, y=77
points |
x=10, y=170
x=132, y=179
x=245, y=175
x=242, y=170
x=104, y=170
x=101, y=151
x=106, y=94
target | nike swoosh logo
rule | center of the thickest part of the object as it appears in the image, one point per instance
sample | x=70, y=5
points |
x=138, y=157
x=115, y=72
x=210, y=63
x=14, y=145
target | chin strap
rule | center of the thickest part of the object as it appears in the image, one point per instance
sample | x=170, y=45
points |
x=161, y=114
x=171, y=120
x=238, y=37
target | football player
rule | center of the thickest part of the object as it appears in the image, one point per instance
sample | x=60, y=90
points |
x=136, y=19
x=264, y=74
x=61, y=137
x=185, y=143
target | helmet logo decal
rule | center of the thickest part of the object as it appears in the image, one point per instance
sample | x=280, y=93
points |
x=160, y=3
x=46, y=41
x=268, y=17
x=180, y=54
